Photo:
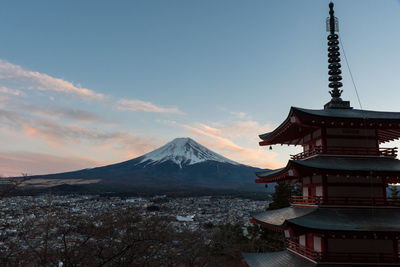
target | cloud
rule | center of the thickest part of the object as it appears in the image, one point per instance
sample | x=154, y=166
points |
x=167, y=122
x=67, y=113
x=49, y=111
x=3, y=100
x=64, y=137
x=247, y=130
x=39, y=81
x=14, y=163
x=236, y=114
x=138, y=105
x=240, y=115
x=9, y=91
x=221, y=139
x=11, y=117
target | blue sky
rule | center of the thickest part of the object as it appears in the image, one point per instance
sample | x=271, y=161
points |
x=88, y=83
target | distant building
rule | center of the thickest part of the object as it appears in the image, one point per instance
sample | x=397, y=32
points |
x=185, y=218
x=343, y=216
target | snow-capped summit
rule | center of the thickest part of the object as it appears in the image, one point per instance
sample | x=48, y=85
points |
x=182, y=165
x=183, y=151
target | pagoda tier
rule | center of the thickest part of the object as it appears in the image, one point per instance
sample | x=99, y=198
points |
x=336, y=236
x=343, y=216
x=289, y=258
x=303, y=125
x=388, y=168
x=276, y=259
x=339, y=180
x=367, y=221
x=276, y=219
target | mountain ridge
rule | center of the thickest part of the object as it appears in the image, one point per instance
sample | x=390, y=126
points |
x=180, y=164
x=184, y=150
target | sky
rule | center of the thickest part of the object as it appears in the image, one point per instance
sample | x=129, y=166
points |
x=90, y=83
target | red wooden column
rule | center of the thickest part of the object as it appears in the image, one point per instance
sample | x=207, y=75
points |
x=323, y=139
x=377, y=142
x=384, y=186
x=396, y=249
x=324, y=247
x=324, y=189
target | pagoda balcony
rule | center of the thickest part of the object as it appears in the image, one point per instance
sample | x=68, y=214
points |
x=338, y=257
x=353, y=151
x=306, y=252
x=366, y=257
x=344, y=201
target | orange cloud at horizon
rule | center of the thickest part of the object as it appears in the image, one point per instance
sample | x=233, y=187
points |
x=219, y=139
x=31, y=163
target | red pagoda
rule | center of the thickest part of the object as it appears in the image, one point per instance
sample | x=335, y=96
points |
x=343, y=216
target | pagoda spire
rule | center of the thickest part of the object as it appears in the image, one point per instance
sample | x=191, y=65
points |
x=334, y=55
x=332, y=26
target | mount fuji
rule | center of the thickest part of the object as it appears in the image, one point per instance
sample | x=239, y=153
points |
x=182, y=164
x=183, y=152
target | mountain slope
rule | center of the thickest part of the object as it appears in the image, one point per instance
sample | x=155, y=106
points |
x=180, y=164
x=184, y=151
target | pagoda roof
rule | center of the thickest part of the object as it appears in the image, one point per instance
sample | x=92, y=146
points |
x=287, y=259
x=358, y=164
x=276, y=259
x=351, y=113
x=351, y=219
x=269, y=173
x=334, y=219
x=277, y=218
x=301, y=122
x=335, y=164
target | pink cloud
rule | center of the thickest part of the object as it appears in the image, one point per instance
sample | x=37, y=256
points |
x=221, y=138
x=9, y=91
x=67, y=113
x=89, y=144
x=138, y=105
x=16, y=163
x=3, y=100
x=39, y=81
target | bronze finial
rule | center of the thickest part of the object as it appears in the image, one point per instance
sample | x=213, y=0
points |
x=334, y=55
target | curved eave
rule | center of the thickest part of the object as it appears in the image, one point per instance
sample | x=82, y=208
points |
x=276, y=259
x=279, y=228
x=300, y=122
x=276, y=219
x=286, y=173
x=386, y=123
x=323, y=164
x=347, y=165
x=369, y=115
x=384, y=220
x=288, y=132
x=362, y=220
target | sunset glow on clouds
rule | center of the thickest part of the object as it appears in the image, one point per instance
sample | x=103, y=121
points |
x=138, y=105
x=80, y=138
x=33, y=80
x=222, y=138
x=99, y=84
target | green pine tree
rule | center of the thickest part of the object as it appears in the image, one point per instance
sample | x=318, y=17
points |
x=282, y=194
x=394, y=192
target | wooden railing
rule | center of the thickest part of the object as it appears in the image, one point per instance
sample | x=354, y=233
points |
x=356, y=151
x=367, y=257
x=355, y=201
x=306, y=200
x=309, y=253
